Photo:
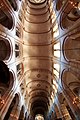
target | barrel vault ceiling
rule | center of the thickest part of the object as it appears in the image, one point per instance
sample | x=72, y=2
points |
x=38, y=38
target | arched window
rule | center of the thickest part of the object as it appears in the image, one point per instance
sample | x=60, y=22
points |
x=56, y=49
x=18, y=32
x=56, y=69
x=17, y=51
x=55, y=30
x=20, y=69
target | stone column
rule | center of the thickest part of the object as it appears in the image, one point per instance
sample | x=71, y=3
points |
x=15, y=113
x=63, y=110
x=72, y=101
x=58, y=114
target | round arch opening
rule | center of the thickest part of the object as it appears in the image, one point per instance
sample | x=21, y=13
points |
x=39, y=117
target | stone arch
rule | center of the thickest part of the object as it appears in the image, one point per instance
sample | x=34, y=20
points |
x=6, y=80
x=5, y=49
x=71, y=49
x=12, y=78
x=70, y=81
x=67, y=20
x=6, y=19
